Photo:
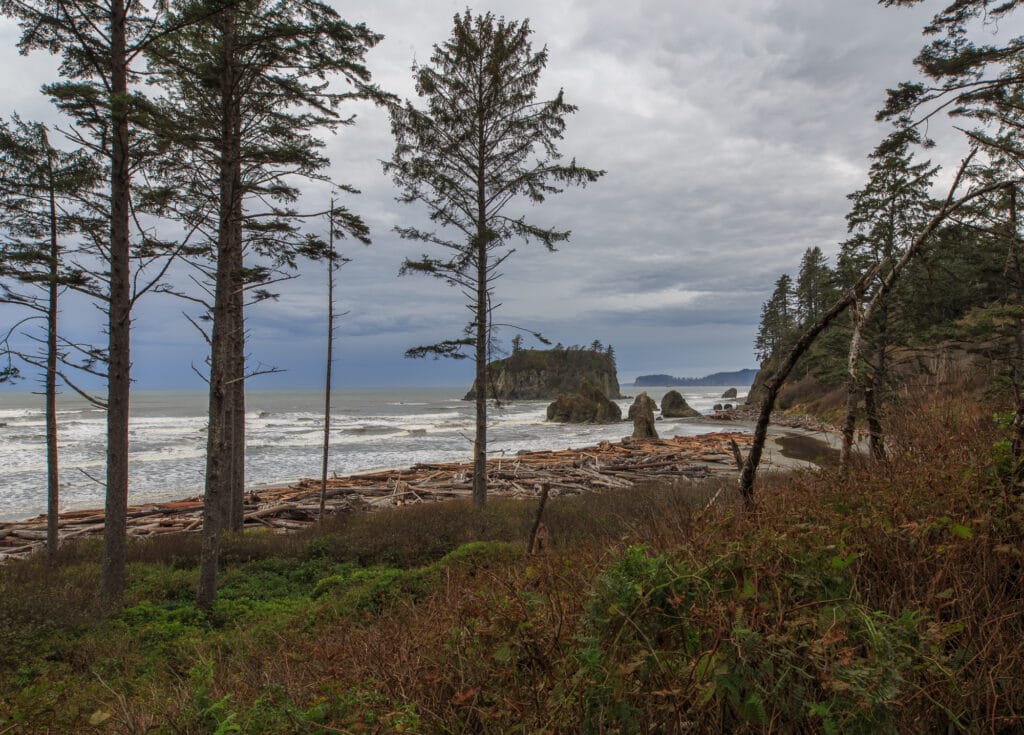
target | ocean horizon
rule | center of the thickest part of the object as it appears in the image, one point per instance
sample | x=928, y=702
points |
x=371, y=429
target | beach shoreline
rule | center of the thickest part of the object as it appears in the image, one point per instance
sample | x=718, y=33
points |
x=605, y=466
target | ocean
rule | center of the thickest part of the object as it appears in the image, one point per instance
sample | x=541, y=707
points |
x=370, y=429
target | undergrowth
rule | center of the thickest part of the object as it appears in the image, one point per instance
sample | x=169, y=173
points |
x=888, y=601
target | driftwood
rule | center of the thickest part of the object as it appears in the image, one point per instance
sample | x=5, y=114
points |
x=607, y=466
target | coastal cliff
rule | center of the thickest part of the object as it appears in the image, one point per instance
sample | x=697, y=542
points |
x=545, y=374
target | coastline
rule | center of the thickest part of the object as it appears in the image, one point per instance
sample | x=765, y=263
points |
x=605, y=466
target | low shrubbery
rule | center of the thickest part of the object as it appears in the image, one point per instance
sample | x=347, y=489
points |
x=890, y=601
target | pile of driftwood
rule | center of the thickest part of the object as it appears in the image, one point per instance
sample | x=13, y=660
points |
x=283, y=509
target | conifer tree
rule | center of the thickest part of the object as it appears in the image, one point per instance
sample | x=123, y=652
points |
x=886, y=216
x=245, y=107
x=482, y=141
x=101, y=46
x=41, y=193
x=778, y=319
x=815, y=288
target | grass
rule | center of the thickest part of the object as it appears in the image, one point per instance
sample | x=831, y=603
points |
x=889, y=601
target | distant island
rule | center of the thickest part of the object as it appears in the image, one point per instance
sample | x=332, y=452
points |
x=737, y=377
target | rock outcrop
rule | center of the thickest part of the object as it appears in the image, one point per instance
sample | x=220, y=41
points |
x=731, y=393
x=674, y=406
x=642, y=415
x=588, y=405
x=545, y=374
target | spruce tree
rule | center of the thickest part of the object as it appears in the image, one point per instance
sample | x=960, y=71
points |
x=886, y=217
x=815, y=285
x=481, y=141
x=41, y=205
x=101, y=47
x=778, y=320
x=246, y=105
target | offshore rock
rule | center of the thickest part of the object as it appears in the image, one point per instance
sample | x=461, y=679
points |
x=674, y=406
x=545, y=374
x=642, y=414
x=588, y=405
x=731, y=393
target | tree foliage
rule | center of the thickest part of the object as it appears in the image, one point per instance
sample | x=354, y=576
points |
x=481, y=142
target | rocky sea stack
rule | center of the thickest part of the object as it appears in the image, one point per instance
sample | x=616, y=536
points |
x=674, y=406
x=532, y=375
x=731, y=393
x=588, y=405
x=641, y=413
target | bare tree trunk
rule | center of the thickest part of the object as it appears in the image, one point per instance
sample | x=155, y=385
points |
x=876, y=437
x=119, y=319
x=873, y=390
x=330, y=361
x=852, y=389
x=235, y=485
x=216, y=505
x=531, y=544
x=480, y=441
x=482, y=319
x=1017, y=366
x=52, y=468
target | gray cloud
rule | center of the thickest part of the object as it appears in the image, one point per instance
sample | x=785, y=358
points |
x=731, y=133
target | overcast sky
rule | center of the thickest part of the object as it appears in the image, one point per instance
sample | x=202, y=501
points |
x=731, y=132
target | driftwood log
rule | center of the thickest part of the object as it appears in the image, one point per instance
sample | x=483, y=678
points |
x=607, y=466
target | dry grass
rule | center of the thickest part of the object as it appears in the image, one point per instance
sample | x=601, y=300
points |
x=889, y=601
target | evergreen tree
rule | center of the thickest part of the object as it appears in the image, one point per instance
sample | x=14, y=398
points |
x=517, y=344
x=778, y=319
x=245, y=108
x=815, y=287
x=41, y=192
x=482, y=141
x=886, y=217
x=99, y=44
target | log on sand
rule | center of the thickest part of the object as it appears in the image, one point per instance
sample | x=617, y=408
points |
x=607, y=466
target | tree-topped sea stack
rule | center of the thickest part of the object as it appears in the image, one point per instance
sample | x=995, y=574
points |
x=588, y=405
x=546, y=374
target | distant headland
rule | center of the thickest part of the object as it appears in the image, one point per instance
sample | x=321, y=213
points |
x=737, y=377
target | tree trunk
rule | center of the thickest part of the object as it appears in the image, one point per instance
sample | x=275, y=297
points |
x=873, y=390
x=775, y=383
x=216, y=505
x=482, y=319
x=119, y=319
x=330, y=362
x=52, y=468
x=876, y=439
x=235, y=491
x=852, y=389
x=480, y=441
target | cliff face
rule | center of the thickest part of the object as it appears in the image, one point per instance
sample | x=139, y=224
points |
x=545, y=374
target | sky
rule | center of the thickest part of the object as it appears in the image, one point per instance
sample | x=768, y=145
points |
x=731, y=133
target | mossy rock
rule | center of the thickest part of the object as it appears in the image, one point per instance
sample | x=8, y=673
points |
x=731, y=393
x=587, y=406
x=674, y=406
